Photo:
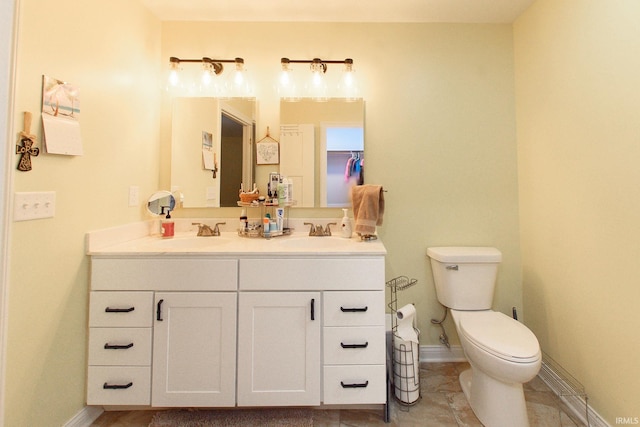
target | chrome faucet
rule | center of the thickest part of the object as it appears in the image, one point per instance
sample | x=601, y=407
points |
x=318, y=230
x=205, y=231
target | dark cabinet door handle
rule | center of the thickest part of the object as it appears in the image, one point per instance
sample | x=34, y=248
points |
x=353, y=310
x=108, y=346
x=365, y=345
x=313, y=309
x=119, y=310
x=108, y=386
x=159, y=311
x=354, y=385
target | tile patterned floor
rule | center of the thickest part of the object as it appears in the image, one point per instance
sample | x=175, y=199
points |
x=442, y=404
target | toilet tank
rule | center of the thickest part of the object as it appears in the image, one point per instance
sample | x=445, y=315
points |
x=465, y=277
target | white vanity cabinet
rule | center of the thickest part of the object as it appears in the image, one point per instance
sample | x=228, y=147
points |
x=251, y=323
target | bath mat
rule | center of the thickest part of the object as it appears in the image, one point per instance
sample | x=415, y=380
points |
x=284, y=417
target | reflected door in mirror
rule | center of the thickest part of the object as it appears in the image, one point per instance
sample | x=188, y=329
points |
x=231, y=122
x=330, y=188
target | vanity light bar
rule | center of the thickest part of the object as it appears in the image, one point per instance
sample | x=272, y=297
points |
x=214, y=64
x=315, y=62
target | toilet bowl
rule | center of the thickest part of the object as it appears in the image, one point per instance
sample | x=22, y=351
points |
x=503, y=354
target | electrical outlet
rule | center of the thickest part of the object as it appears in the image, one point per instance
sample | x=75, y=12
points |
x=34, y=205
x=134, y=196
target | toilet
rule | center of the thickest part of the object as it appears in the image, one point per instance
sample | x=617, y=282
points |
x=502, y=352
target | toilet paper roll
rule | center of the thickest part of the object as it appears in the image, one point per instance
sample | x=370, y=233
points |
x=406, y=316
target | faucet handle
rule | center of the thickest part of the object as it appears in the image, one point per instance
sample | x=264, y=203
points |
x=327, y=231
x=312, y=230
x=216, y=230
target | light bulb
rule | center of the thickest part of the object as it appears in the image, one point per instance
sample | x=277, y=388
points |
x=174, y=79
x=348, y=86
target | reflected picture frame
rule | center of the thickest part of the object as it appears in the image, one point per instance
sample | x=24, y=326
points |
x=268, y=152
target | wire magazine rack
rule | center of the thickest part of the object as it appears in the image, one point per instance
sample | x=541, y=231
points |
x=406, y=374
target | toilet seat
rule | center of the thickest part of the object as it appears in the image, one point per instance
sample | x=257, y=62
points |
x=500, y=335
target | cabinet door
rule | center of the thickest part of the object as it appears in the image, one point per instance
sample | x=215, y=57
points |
x=194, y=349
x=279, y=348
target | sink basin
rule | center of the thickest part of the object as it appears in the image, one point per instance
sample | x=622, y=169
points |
x=310, y=243
x=191, y=242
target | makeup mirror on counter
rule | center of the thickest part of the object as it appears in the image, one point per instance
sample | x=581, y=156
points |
x=212, y=149
x=322, y=149
x=161, y=203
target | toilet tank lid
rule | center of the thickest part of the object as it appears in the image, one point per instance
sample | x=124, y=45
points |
x=462, y=254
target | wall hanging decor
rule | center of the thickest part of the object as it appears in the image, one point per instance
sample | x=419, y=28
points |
x=209, y=158
x=26, y=148
x=60, y=117
x=267, y=151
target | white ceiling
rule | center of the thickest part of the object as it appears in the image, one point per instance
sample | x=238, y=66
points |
x=481, y=11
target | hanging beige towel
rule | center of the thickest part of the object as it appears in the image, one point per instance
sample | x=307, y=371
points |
x=368, y=208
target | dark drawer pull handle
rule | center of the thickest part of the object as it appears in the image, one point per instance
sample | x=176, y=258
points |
x=159, y=311
x=353, y=310
x=313, y=309
x=355, y=385
x=108, y=386
x=108, y=346
x=119, y=310
x=365, y=345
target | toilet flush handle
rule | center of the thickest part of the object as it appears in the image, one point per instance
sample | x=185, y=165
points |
x=452, y=267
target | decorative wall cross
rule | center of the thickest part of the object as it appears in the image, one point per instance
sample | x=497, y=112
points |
x=27, y=149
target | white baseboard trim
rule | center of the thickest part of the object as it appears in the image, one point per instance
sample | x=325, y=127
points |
x=85, y=417
x=575, y=403
x=440, y=353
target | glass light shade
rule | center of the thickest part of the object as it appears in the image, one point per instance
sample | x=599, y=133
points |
x=348, y=85
x=238, y=83
x=317, y=86
x=287, y=87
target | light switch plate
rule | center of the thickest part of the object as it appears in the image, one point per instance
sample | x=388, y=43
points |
x=34, y=205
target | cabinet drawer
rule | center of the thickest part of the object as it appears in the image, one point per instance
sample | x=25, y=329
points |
x=355, y=384
x=121, y=309
x=312, y=274
x=119, y=385
x=359, y=308
x=354, y=345
x=120, y=346
x=164, y=274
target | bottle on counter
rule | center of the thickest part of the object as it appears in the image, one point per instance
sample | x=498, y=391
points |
x=168, y=226
x=243, y=220
x=345, y=225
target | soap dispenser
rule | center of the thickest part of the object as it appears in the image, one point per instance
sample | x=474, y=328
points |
x=345, y=226
x=168, y=226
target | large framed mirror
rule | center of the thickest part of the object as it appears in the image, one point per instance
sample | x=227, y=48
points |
x=322, y=149
x=212, y=149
